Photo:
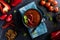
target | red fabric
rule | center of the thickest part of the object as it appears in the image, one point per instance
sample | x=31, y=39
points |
x=55, y=35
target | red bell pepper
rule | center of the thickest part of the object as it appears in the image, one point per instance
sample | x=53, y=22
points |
x=3, y=17
x=9, y=18
x=1, y=7
x=7, y=25
x=6, y=7
x=55, y=35
x=15, y=2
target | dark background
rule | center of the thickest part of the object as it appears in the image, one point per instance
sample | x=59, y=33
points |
x=21, y=29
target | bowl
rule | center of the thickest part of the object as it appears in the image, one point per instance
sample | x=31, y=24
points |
x=32, y=18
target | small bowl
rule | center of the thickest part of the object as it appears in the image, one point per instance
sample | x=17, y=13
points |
x=33, y=20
